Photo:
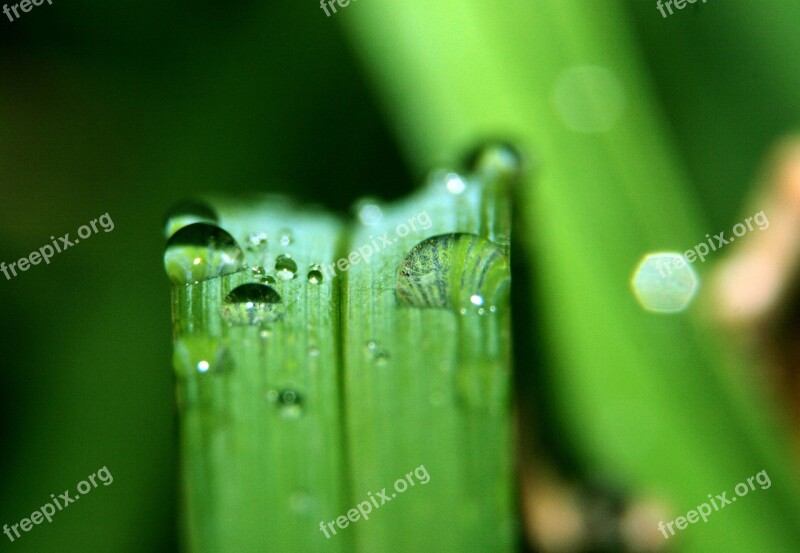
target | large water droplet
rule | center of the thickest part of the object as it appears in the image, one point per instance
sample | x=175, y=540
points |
x=186, y=213
x=252, y=304
x=285, y=267
x=460, y=271
x=200, y=252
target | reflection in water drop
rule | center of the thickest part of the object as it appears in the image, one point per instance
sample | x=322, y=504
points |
x=589, y=99
x=252, y=304
x=200, y=252
x=285, y=267
x=460, y=271
x=315, y=275
x=186, y=213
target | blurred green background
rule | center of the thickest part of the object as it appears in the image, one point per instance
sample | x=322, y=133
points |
x=128, y=107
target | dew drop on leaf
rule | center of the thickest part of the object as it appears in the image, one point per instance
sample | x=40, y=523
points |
x=285, y=267
x=186, y=213
x=456, y=271
x=252, y=304
x=199, y=252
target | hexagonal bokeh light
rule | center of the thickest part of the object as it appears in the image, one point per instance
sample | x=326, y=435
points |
x=664, y=283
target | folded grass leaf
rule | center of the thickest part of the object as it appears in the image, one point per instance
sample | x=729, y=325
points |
x=322, y=365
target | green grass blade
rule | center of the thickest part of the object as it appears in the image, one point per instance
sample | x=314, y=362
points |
x=261, y=466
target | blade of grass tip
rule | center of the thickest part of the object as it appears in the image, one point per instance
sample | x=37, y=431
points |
x=426, y=347
x=255, y=333
x=609, y=177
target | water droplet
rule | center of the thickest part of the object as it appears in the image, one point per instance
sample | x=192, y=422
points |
x=287, y=237
x=589, y=99
x=265, y=334
x=256, y=241
x=290, y=404
x=186, y=213
x=460, y=271
x=315, y=275
x=664, y=283
x=258, y=272
x=455, y=183
x=496, y=159
x=199, y=356
x=200, y=252
x=313, y=352
x=377, y=353
x=285, y=267
x=252, y=304
x=369, y=212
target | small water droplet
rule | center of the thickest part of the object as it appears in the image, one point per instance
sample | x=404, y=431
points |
x=497, y=159
x=287, y=237
x=256, y=241
x=455, y=183
x=252, y=304
x=186, y=213
x=258, y=272
x=369, y=212
x=197, y=355
x=459, y=271
x=285, y=267
x=315, y=275
x=313, y=352
x=265, y=334
x=200, y=252
x=377, y=353
x=290, y=404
